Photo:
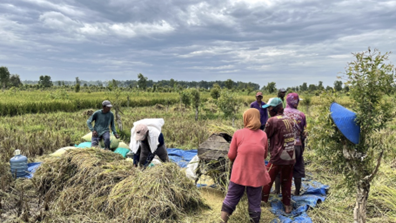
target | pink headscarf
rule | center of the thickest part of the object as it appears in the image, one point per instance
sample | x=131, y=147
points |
x=141, y=132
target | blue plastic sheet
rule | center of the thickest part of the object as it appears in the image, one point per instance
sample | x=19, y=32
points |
x=84, y=145
x=181, y=157
x=314, y=194
x=32, y=167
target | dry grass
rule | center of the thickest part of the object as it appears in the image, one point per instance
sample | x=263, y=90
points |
x=40, y=134
x=102, y=186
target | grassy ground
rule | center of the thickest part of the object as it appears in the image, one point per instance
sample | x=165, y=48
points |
x=40, y=134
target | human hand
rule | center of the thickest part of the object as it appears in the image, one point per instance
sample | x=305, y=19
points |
x=117, y=136
x=94, y=133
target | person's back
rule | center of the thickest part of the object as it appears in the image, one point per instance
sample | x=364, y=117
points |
x=281, y=132
x=248, y=150
x=299, y=117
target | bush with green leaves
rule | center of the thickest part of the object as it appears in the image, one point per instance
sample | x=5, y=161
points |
x=195, y=101
x=229, y=105
x=215, y=92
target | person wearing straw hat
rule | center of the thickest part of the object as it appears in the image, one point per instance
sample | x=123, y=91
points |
x=301, y=122
x=248, y=150
x=280, y=130
x=258, y=104
x=103, y=119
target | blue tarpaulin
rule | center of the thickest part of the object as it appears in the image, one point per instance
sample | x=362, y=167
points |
x=32, y=167
x=314, y=194
x=181, y=157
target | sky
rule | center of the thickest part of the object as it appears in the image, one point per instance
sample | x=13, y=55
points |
x=284, y=41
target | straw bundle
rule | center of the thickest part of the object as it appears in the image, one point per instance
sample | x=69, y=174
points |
x=102, y=186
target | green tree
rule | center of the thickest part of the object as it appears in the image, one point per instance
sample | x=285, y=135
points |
x=45, y=81
x=77, y=88
x=195, y=101
x=4, y=76
x=215, y=92
x=229, y=84
x=312, y=87
x=304, y=87
x=271, y=87
x=172, y=83
x=320, y=86
x=229, y=105
x=338, y=85
x=15, y=81
x=185, y=98
x=78, y=81
x=370, y=78
x=249, y=89
x=142, y=82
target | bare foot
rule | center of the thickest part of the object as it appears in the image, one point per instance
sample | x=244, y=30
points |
x=288, y=209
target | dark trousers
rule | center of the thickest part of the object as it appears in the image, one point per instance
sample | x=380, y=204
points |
x=106, y=137
x=234, y=195
x=144, y=156
x=286, y=174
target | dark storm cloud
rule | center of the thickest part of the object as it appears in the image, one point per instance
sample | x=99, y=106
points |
x=288, y=42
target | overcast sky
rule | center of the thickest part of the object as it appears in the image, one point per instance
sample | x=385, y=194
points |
x=285, y=41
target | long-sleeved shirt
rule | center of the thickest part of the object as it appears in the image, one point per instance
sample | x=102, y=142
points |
x=248, y=150
x=263, y=111
x=102, y=122
x=281, y=133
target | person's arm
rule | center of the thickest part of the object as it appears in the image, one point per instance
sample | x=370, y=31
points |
x=265, y=147
x=269, y=128
x=113, y=127
x=251, y=105
x=144, y=152
x=232, y=153
x=90, y=120
x=161, y=140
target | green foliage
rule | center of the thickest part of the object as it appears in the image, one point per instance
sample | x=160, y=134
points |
x=4, y=76
x=228, y=104
x=370, y=79
x=229, y=84
x=142, y=82
x=271, y=87
x=215, y=92
x=45, y=81
x=338, y=85
x=304, y=87
x=195, y=98
x=77, y=88
x=15, y=81
x=185, y=98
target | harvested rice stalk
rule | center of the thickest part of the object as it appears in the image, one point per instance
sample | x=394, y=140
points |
x=158, y=193
x=103, y=187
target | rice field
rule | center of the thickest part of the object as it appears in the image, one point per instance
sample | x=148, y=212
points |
x=38, y=135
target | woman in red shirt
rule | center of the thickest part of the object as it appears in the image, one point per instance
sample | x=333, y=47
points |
x=248, y=151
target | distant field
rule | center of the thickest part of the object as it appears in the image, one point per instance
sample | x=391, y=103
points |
x=16, y=102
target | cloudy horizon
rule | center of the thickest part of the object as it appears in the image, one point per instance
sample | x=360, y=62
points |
x=284, y=41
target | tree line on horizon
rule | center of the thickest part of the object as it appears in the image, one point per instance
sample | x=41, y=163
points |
x=143, y=83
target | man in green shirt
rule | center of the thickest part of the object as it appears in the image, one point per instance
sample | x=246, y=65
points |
x=103, y=119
